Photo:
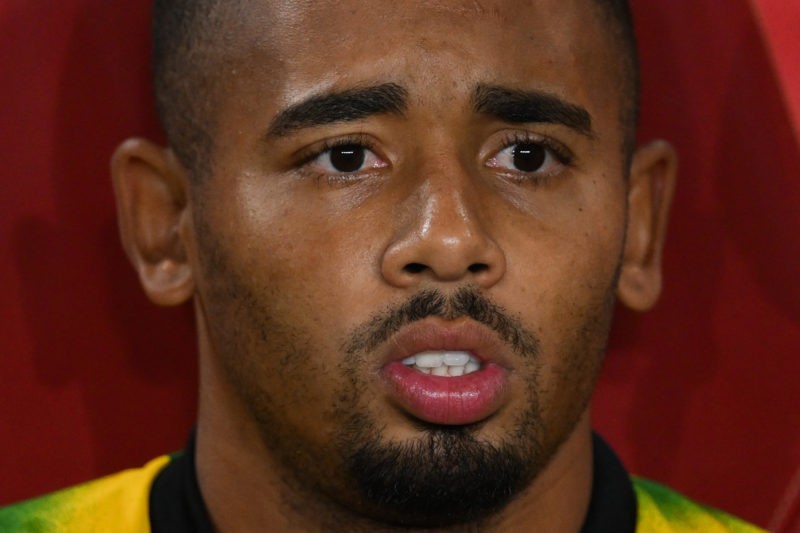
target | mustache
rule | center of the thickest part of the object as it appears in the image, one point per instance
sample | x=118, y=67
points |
x=464, y=302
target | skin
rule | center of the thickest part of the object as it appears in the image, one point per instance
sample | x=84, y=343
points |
x=285, y=259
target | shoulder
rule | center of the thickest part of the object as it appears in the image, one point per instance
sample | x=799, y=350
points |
x=661, y=509
x=120, y=499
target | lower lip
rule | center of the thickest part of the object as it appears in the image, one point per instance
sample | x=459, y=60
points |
x=447, y=400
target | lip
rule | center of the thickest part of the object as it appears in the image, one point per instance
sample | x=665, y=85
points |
x=440, y=400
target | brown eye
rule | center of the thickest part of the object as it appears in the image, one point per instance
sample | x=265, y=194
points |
x=347, y=158
x=529, y=160
x=351, y=159
x=528, y=157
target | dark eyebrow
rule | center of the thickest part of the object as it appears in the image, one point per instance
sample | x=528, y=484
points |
x=517, y=107
x=343, y=106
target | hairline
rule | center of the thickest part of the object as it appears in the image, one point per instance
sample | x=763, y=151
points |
x=186, y=103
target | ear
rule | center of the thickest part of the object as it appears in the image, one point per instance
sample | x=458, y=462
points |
x=150, y=186
x=650, y=189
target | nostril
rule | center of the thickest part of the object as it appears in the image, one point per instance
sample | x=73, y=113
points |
x=476, y=268
x=414, y=268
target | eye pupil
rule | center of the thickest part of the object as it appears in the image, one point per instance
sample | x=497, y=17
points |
x=529, y=157
x=347, y=158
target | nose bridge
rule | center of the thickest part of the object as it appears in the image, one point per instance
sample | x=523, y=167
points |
x=450, y=211
x=444, y=235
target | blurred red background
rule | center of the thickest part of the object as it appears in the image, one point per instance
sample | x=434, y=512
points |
x=700, y=393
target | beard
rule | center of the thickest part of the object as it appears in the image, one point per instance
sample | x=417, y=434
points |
x=447, y=475
x=443, y=475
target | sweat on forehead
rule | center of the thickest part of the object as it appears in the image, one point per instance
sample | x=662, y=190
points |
x=185, y=33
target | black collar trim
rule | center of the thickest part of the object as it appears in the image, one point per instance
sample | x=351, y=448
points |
x=612, y=508
x=176, y=505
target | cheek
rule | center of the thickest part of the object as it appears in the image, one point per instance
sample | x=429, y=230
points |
x=264, y=294
x=293, y=281
x=561, y=269
x=576, y=357
x=567, y=280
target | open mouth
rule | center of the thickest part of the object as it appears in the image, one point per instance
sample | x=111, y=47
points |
x=446, y=373
x=443, y=363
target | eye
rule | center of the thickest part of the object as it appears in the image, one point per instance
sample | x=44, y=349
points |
x=527, y=156
x=345, y=158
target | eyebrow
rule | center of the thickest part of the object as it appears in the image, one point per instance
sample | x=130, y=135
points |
x=517, y=107
x=343, y=106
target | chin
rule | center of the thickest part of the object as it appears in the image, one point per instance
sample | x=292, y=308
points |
x=443, y=476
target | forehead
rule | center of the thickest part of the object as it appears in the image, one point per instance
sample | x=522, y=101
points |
x=439, y=51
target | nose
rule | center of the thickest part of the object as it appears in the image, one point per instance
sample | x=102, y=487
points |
x=442, y=238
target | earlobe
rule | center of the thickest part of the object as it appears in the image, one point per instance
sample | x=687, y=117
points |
x=151, y=191
x=650, y=189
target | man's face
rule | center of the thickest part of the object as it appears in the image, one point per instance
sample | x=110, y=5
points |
x=399, y=186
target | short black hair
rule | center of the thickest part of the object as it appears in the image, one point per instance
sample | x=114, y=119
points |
x=182, y=81
x=185, y=32
x=621, y=24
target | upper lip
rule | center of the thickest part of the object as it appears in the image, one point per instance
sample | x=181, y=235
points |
x=435, y=334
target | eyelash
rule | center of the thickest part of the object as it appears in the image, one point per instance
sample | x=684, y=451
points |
x=307, y=156
x=562, y=155
x=310, y=154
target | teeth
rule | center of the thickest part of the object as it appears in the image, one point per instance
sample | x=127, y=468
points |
x=444, y=363
x=439, y=371
x=429, y=360
x=456, y=358
x=456, y=370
